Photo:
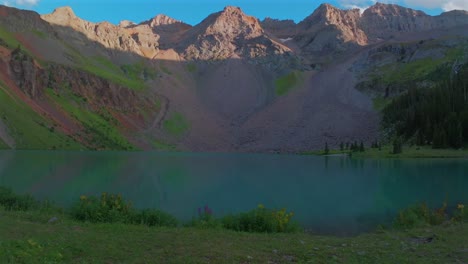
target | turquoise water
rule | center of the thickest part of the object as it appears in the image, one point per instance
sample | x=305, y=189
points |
x=336, y=195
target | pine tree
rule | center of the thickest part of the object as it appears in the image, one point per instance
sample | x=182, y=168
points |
x=439, y=140
x=361, y=147
x=419, y=138
x=341, y=146
x=397, y=148
x=327, y=150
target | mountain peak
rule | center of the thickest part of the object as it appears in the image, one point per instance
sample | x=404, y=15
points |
x=160, y=20
x=64, y=11
x=62, y=16
x=126, y=23
x=229, y=33
x=231, y=21
x=233, y=9
x=382, y=9
x=326, y=6
x=327, y=14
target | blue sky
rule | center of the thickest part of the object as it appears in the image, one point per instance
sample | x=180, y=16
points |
x=193, y=12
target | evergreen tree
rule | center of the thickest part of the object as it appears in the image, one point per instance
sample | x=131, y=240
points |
x=419, y=138
x=397, y=146
x=454, y=131
x=326, y=150
x=341, y=146
x=437, y=116
x=361, y=147
x=439, y=140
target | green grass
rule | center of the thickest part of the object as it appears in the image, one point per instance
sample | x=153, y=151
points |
x=163, y=146
x=176, y=125
x=286, y=83
x=104, y=68
x=26, y=237
x=101, y=127
x=408, y=152
x=40, y=34
x=139, y=70
x=322, y=152
x=191, y=67
x=9, y=38
x=412, y=152
x=105, y=62
x=29, y=129
x=165, y=69
x=416, y=70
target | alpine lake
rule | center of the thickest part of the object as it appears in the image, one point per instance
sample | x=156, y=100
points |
x=328, y=195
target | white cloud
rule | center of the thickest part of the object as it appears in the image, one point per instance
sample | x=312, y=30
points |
x=21, y=2
x=455, y=4
x=351, y=6
x=361, y=4
x=445, y=5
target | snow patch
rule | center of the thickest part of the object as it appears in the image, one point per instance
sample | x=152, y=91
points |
x=285, y=40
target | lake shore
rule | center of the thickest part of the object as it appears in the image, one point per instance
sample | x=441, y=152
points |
x=30, y=237
x=413, y=152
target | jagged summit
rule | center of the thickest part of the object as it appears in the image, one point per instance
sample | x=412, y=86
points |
x=140, y=40
x=382, y=9
x=232, y=20
x=126, y=23
x=160, y=20
x=62, y=16
x=64, y=10
x=330, y=29
x=229, y=33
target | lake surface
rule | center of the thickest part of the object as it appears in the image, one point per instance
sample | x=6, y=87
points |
x=337, y=195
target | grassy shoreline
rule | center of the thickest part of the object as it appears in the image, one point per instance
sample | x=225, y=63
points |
x=28, y=237
x=98, y=231
x=413, y=152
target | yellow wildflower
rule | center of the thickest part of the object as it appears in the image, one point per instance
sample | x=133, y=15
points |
x=83, y=197
x=460, y=206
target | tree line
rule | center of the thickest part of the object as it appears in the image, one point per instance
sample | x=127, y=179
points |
x=435, y=116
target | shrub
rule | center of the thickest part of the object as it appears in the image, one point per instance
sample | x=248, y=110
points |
x=16, y=202
x=108, y=209
x=261, y=220
x=205, y=219
x=152, y=217
x=460, y=214
x=111, y=208
x=420, y=215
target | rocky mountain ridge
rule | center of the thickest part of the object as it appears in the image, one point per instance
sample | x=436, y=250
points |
x=230, y=83
x=232, y=33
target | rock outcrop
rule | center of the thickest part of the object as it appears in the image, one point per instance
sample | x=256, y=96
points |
x=282, y=29
x=382, y=21
x=229, y=34
x=330, y=28
x=169, y=30
x=136, y=39
x=33, y=80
